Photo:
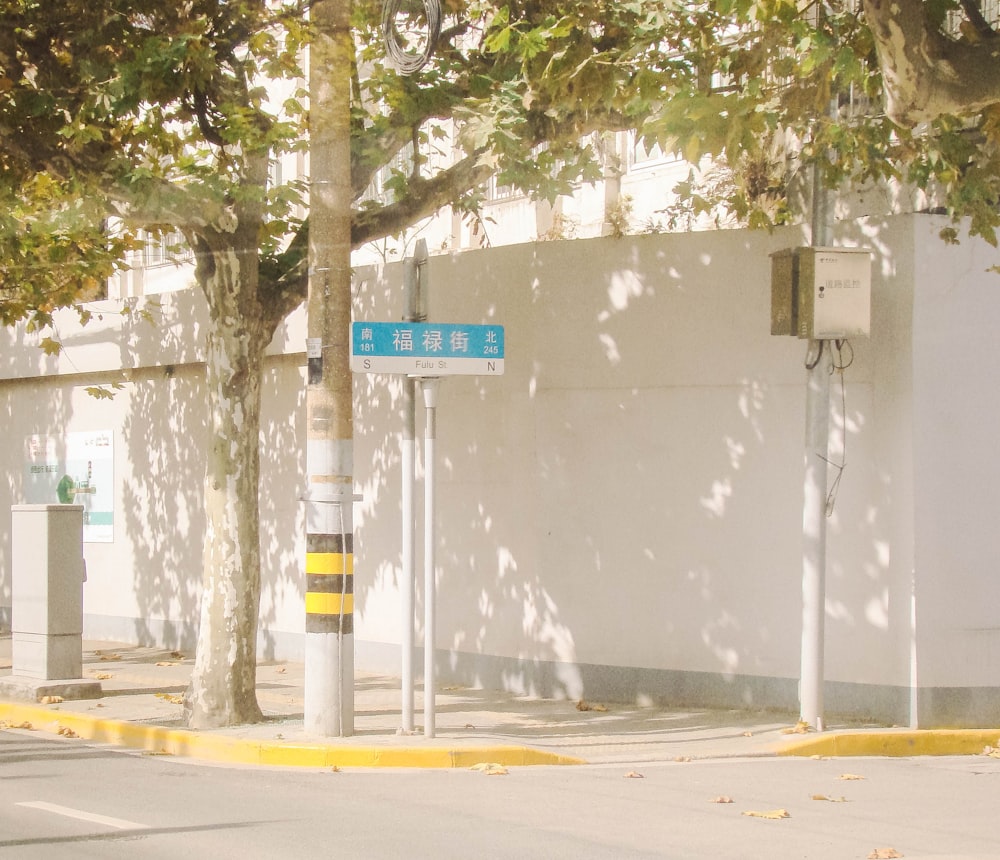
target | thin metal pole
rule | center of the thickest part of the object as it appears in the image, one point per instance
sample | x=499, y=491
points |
x=914, y=690
x=408, y=584
x=819, y=365
x=408, y=456
x=814, y=534
x=430, y=392
x=414, y=288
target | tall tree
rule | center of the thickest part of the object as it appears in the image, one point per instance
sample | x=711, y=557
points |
x=132, y=114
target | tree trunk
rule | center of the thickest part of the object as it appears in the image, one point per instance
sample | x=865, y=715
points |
x=223, y=685
x=924, y=72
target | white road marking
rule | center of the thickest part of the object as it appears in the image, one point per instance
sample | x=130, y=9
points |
x=94, y=818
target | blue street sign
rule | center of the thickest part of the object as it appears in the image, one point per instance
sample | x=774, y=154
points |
x=427, y=349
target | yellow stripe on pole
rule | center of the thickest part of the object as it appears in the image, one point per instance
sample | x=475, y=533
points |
x=328, y=562
x=319, y=603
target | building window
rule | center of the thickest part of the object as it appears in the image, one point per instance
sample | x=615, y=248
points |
x=170, y=249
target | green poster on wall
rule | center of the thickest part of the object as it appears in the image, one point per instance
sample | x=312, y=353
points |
x=77, y=468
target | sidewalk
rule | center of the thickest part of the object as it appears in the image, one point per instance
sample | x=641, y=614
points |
x=140, y=707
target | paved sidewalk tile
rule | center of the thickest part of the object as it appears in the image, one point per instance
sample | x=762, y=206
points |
x=140, y=705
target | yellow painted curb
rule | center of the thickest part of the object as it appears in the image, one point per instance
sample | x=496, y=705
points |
x=223, y=748
x=894, y=743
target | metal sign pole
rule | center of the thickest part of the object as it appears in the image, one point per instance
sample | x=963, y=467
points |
x=414, y=284
x=408, y=585
x=427, y=351
x=430, y=390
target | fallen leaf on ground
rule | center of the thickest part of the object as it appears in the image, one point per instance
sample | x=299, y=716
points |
x=800, y=728
x=584, y=705
x=281, y=670
x=884, y=854
x=748, y=734
x=634, y=774
x=6, y=724
x=992, y=752
x=50, y=700
x=104, y=676
x=165, y=663
x=169, y=697
x=469, y=726
x=722, y=798
x=849, y=776
x=177, y=655
x=107, y=657
x=335, y=769
x=682, y=758
x=490, y=768
x=771, y=815
x=820, y=757
x=67, y=732
x=831, y=799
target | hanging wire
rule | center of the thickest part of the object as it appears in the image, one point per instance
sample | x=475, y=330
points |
x=840, y=365
x=340, y=625
x=841, y=345
x=402, y=56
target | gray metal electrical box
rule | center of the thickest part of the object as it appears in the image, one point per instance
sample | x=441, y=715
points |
x=821, y=293
x=784, y=286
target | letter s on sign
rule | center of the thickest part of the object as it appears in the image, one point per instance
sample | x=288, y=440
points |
x=368, y=364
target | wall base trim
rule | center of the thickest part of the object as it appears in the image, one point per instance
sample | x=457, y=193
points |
x=939, y=707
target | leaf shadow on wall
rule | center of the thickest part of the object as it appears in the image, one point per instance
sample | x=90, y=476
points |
x=44, y=409
x=620, y=513
x=162, y=502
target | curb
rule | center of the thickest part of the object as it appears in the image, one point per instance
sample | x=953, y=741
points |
x=160, y=740
x=895, y=743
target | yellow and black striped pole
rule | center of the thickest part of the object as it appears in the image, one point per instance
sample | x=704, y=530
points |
x=329, y=635
x=330, y=582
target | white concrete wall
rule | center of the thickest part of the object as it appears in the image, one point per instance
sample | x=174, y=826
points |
x=629, y=493
x=620, y=513
x=956, y=416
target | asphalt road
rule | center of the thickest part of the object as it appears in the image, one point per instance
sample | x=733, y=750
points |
x=63, y=798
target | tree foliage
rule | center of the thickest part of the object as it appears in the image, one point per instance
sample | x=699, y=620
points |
x=140, y=109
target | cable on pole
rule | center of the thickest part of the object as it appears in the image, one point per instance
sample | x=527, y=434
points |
x=411, y=50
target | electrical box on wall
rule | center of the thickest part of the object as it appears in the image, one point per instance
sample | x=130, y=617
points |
x=821, y=293
x=784, y=301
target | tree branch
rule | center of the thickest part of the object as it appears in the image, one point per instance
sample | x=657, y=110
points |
x=976, y=18
x=425, y=197
x=925, y=73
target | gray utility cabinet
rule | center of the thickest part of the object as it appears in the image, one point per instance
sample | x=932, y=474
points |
x=47, y=591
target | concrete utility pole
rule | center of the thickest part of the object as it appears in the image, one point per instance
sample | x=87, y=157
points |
x=329, y=648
